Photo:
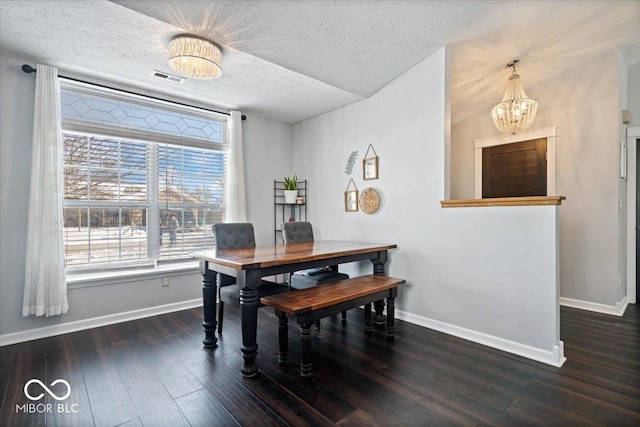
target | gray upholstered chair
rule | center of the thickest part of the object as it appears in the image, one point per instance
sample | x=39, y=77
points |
x=299, y=232
x=234, y=236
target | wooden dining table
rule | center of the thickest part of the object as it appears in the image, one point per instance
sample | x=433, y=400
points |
x=250, y=265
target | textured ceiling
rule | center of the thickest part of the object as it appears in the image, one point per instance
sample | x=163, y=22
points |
x=291, y=60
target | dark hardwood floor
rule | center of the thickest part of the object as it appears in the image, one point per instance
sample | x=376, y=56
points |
x=155, y=372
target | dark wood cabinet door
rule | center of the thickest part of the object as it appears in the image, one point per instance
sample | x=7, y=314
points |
x=515, y=170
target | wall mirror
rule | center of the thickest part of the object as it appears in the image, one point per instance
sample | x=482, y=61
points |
x=351, y=197
x=370, y=164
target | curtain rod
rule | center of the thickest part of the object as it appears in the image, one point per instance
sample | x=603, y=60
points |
x=29, y=69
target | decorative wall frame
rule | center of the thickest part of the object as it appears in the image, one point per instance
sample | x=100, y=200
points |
x=370, y=165
x=351, y=197
x=369, y=201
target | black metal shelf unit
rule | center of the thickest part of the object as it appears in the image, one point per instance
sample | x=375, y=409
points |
x=283, y=212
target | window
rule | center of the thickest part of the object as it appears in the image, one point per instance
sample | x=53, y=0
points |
x=508, y=164
x=515, y=170
x=144, y=180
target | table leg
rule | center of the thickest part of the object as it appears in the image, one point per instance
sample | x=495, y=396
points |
x=209, y=297
x=379, y=270
x=248, y=282
x=305, y=345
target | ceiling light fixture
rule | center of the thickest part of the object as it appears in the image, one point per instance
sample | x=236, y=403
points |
x=195, y=57
x=516, y=112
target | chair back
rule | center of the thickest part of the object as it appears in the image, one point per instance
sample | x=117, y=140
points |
x=297, y=232
x=234, y=235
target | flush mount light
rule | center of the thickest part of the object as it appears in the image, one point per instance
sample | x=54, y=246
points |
x=516, y=112
x=195, y=57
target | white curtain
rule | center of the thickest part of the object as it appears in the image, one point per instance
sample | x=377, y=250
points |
x=45, y=287
x=236, y=206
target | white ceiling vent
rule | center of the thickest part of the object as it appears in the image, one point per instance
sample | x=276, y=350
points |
x=167, y=76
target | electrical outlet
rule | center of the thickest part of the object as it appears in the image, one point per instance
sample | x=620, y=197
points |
x=165, y=282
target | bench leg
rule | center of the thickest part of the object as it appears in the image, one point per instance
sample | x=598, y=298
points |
x=220, y=317
x=344, y=316
x=391, y=328
x=378, y=306
x=305, y=344
x=379, y=270
x=367, y=317
x=283, y=337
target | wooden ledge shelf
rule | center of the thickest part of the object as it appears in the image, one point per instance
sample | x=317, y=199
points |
x=504, y=201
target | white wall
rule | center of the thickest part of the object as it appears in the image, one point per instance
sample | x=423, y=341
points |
x=584, y=103
x=462, y=154
x=267, y=156
x=268, y=146
x=487, y=274
x=633, y=101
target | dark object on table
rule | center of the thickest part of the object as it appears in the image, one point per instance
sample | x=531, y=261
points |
x=302, y=231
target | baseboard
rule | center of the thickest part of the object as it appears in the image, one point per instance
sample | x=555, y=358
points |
x=554, y=357
x=80, y=325
x=617, y=310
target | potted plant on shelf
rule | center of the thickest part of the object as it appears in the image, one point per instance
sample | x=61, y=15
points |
x=290, y=189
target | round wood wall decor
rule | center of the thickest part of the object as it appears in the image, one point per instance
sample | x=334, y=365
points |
x=369, y=201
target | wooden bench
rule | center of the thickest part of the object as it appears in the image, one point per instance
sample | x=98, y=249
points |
x=309, y=305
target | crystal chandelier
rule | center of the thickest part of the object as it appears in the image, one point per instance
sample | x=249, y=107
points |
x=195, y=57
x=516, y=112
